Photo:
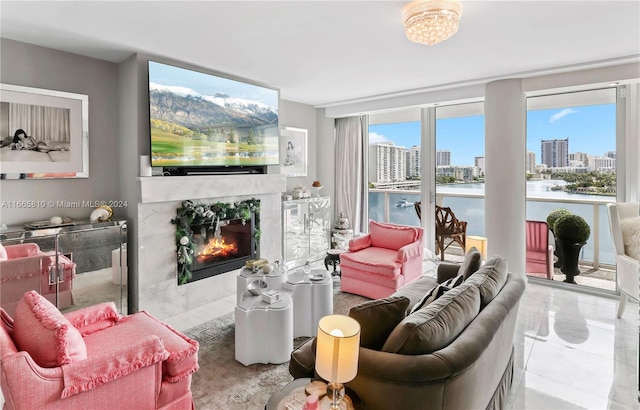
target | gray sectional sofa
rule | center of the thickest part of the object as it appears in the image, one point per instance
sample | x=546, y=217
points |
x=456, y=352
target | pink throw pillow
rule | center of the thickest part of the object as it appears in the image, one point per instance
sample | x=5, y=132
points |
x=41, y=330
x=391, y=236
x=3, y=253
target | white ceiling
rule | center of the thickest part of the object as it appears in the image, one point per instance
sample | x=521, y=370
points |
x=325, y=53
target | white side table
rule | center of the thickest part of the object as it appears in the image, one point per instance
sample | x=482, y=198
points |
x=274, y=280
x=264, y=332
x=312, y=299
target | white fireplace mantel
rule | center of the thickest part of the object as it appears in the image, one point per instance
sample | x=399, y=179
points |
x=177, y=188
x=159, y=292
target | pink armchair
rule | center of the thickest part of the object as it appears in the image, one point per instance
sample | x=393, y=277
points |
x=92, y=358
x=382, y=261
x=25, y=267
x=539, y=252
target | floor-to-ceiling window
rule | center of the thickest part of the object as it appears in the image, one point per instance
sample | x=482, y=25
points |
x=395, y=167
x=460, y=166
x=571, y=164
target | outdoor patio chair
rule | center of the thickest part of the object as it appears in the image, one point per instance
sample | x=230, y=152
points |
x=539, y=252
x=448, y=227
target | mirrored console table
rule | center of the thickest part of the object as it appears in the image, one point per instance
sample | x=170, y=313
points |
x=73, y=265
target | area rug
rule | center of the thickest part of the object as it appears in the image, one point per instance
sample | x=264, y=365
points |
x=223, y=383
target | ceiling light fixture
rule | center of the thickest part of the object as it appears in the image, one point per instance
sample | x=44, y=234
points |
x=431, y=21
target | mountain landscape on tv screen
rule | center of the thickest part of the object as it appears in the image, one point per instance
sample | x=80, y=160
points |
x=192, y=129
x=193, y=110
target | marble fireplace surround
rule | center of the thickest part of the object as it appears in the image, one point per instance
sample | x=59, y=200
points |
x=160, y=197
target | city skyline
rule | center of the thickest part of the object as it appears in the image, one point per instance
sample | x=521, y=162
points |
x=590, y=129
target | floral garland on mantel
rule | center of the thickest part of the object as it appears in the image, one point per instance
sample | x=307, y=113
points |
x=197, y=214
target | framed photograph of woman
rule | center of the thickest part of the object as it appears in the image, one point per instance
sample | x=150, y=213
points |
x=294, y=151
x=43, y=133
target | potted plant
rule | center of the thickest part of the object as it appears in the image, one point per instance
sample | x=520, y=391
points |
x=571, y=233
x=551, y=220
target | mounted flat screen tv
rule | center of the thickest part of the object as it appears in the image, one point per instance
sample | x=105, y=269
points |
x=203, y=121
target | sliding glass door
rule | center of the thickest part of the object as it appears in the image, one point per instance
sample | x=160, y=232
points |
x=571, y=165
x=395, y=168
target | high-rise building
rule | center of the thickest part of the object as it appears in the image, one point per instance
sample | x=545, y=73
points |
x=602, y=164
x=554, y=153
x=387, y=163
x=443, y=158
x=530, y=162
x=581, y=157
x=461, y=173
x=414, y=162
x=479, y=162
x=610, y=154
x=407, y=163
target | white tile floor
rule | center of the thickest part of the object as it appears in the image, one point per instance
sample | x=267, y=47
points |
x=573, y=353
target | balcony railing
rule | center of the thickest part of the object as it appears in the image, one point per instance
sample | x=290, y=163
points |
x=396, y=206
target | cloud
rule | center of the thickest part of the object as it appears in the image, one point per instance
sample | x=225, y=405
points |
x=375, y=138
x=563, y=113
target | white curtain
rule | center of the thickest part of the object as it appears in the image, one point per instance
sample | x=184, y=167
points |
x=40, y=122
x=352, y=158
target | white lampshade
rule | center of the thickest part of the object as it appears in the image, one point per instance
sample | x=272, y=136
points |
x=337, y=348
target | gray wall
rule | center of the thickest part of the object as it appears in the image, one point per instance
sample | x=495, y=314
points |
x=118, y=135
x=298, y=115
x=32, y=66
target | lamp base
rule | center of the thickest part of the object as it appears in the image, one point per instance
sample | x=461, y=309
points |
x=335, y=393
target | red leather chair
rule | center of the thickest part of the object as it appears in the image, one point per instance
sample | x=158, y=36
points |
x=539, y=251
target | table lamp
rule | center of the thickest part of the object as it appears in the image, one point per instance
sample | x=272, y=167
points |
x=337, y=348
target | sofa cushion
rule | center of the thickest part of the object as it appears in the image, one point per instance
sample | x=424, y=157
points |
x=454, y=282
x=378, y=318
x=630, y=228
x=430, y=297
x=471, y=263
x=183, y=351
x=391, y=236
x=41, y=330
x=94, y=318
x=437, y=291
x=373, y=260
x=436, y=325
x=490, y=278
x=303, y=360
x=416, y=290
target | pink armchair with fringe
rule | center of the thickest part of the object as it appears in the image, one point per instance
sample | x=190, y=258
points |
x=25, y=267
x=92, y=358
x=382, y=261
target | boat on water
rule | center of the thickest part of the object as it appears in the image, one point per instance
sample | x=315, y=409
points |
x=403, y=203
x=557, y=187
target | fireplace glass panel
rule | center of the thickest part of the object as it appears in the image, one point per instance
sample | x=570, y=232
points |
x=222, y=247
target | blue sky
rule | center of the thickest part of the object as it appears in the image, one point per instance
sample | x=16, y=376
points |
x=207, y=84
x=590, y=129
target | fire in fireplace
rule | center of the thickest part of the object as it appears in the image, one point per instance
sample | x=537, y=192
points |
x=215, y=238
x=222, y=246
x=217, y=248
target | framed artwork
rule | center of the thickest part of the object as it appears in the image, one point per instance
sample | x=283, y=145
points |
x=44, y=133
x=294, y=151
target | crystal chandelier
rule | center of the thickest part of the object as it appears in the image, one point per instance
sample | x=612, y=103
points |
x=431, y=21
